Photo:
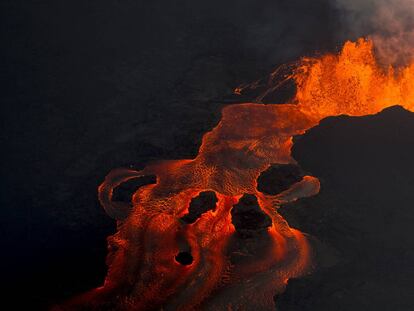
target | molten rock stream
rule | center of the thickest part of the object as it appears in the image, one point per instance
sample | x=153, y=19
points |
x=223, y=273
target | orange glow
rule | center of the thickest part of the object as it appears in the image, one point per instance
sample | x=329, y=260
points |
x=352, y=83
x=249, y=138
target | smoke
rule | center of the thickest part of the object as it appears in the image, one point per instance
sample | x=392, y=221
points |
x=389, y=23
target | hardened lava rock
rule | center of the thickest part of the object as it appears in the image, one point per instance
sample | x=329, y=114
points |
x=125, y=191
x=184, y=258
x=199, y=205
x=248, y=218
x=278, y=178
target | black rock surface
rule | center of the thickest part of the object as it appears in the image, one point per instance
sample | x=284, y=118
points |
x=125, y=191
x=363, y=214
x=88, y=86
x=278, y=178
x=199, y=205
x=184, y=258
x=248, y=218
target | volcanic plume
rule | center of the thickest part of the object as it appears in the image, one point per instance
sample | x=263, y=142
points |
x=202, y=235
x=389, y=23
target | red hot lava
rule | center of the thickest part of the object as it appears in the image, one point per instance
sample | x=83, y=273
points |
x=143, y=270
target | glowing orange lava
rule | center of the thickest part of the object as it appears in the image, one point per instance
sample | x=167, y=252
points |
x=250, y=137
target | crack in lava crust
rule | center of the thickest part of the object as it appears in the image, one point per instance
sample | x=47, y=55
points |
x=250, y=137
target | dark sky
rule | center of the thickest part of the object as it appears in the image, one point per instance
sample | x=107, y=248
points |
x=87, y=86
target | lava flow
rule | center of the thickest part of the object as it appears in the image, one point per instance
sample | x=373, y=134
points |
x=229, y=263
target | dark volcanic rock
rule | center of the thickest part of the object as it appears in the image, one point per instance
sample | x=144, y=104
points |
x=248, y=218
x=199, y=205
x=125, y=191
x=364, y=211
x=278, y=178
x=184, y=258
x=129, y=83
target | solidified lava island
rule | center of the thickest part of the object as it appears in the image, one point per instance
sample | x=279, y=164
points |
x=205, y=233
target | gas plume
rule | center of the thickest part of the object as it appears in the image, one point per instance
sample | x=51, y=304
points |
x=388, y=23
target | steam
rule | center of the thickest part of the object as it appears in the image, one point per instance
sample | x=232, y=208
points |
x=389, y=23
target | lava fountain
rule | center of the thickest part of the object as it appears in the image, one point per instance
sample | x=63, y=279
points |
x=230, y=262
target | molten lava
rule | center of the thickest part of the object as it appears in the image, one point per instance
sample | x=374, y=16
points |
x=143, y=271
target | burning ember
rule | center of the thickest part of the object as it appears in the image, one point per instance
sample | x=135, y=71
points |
x=202, y=236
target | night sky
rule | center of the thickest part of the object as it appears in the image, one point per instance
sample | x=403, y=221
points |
x=88, y=86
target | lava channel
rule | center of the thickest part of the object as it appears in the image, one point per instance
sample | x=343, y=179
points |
x=203, y=237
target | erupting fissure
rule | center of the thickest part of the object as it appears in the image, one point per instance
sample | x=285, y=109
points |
x=221, y=268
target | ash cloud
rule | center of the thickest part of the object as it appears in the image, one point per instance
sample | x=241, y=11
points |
x=389, y=23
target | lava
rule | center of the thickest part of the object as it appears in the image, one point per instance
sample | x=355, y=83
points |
x=143, y=272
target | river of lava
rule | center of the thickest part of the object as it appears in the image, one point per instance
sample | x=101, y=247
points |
x=142, y=271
